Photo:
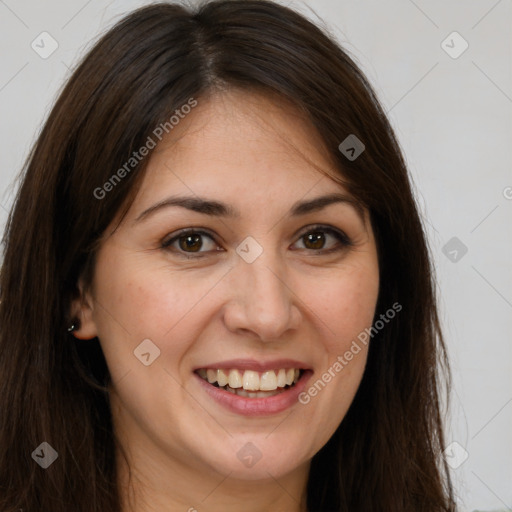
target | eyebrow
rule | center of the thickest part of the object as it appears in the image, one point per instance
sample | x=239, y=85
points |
x=219, y=209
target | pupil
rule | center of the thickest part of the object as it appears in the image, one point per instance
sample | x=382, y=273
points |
x=316, y=239
x=189, y=241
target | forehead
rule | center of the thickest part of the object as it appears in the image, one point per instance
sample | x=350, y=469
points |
x=239, y=143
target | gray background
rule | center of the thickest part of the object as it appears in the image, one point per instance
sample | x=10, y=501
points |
x=453, y=119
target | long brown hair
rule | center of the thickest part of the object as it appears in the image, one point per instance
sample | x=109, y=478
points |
x=387, y=453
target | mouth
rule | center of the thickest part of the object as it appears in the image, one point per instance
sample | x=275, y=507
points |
x=252, y=388
x=250, y=383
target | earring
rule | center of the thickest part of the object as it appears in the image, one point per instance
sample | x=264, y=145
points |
x=74, y=326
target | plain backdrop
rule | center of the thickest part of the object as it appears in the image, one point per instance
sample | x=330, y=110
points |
x=452, y=115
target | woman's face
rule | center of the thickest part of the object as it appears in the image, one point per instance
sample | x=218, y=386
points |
x=264, y=284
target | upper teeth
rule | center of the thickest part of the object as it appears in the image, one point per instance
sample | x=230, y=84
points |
x=251, y=380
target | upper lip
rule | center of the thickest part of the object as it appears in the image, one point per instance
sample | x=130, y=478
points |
x=255, y=365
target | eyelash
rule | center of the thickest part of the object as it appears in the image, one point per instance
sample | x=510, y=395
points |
x=343, y=239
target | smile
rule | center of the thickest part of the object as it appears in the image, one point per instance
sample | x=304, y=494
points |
x=250, y=383
x=252, y=388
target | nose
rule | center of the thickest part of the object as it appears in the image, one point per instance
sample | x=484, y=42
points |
x=262, y=302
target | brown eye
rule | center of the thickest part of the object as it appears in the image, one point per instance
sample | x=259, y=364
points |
x=190, y=242
x=316, y=240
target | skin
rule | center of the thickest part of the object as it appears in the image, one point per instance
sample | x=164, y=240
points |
x=293, y=301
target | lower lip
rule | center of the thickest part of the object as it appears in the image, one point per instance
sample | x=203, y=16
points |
x=257, y=406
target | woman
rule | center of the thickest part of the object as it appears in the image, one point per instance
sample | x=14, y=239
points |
x=216, y=289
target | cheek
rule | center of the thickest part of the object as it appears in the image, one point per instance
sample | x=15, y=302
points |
x=347, y=306
x=135, y=301
x=345, y=309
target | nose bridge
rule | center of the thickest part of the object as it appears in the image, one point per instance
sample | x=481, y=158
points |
x=266, y=285
x=262, y=300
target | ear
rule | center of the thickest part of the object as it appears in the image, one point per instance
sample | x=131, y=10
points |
x=82, y=309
